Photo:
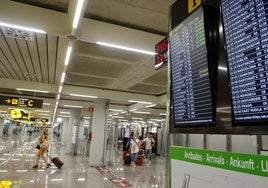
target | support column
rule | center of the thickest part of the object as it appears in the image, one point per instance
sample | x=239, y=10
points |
x=1, y=126
x=64, y=131
x=73, y=126
x=97, y=152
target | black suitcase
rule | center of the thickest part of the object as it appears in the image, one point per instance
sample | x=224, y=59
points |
x=57, y=162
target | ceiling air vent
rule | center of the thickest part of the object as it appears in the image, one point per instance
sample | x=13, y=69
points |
x=71, y=37
x=17, y=33
x=31, y=75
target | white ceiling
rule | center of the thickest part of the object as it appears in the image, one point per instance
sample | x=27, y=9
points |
x=109, y=73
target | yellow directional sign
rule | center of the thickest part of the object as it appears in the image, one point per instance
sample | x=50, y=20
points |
x=193, y=4
x=21, y=102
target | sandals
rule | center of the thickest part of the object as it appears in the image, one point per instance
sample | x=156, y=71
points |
x=35, y=166
x=48, y=165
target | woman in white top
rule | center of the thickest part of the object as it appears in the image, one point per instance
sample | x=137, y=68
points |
x=134, y=149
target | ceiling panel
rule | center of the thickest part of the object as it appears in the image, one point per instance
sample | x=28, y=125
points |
x=160, y=77
x=98, y=68
x=148, y=89
x=106, y=53
x=79, y=80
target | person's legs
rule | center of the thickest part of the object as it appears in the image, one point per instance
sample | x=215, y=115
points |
x=150, y=154
x=132, y=158
x=37, y=160
x=41, y=154
x=135, y=158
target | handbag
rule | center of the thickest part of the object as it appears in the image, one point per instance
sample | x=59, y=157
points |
x=45, y=144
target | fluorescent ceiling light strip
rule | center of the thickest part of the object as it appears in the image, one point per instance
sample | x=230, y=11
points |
x=118, y=117
x=46, y=103
x=162, y=114
x=88, y=96
x=133, y=110
x=126, y=48
x=152, y=105
x=73, y=106
x=22, y=27
x=65, y=113
x=81, y=179
x=115, y=110
x=60, y=89
x=21, y=170
x=68, y=55
x=77, y=13
x=62, y=77
x=63, y=116
x=122, y=120
x=137, y=118
x=43, y=114
x=58, y=179
x=43, y=111
x=3, y=111
x=141, y=102
x=138, y=112
x=33, y=90
x=58, y=97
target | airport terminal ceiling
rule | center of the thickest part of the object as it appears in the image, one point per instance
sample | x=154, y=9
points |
x=31, y=60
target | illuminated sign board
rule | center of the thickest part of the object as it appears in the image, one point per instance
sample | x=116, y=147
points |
x=21, y=102
x=20, y=114
x=161, y=57
x=42, y=120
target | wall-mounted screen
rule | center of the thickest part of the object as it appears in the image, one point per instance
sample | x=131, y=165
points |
x=161, y=57
x=190, y=75
x=246, y=37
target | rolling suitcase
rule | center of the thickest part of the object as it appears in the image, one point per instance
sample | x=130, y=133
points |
x=57, y=162
x=127, y=160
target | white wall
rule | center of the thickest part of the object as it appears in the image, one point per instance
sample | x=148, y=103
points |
x=196, y=140
x=244, y=144
x=216, y=142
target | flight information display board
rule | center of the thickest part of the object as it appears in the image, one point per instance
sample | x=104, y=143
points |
x=191, y=89
x=246, y=37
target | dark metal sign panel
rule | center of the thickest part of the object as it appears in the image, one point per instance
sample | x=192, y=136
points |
x=21, y=102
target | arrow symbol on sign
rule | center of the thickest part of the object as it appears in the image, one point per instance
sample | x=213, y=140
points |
x=8, y=101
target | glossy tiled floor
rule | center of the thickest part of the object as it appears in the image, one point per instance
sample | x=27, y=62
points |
x=18, y=155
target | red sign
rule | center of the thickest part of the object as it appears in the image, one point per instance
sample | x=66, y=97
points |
x=90, y=109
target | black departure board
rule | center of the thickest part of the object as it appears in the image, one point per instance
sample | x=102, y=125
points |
x=191, y=89
x=246, y=37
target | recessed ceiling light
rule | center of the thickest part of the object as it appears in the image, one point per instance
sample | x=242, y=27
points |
x=33, y=90
x=73, y=106
x=126, y=48
x=141, y=102
x=87, y=96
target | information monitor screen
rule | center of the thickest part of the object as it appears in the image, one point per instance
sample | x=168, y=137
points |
x=190, y=80
x=246, y=36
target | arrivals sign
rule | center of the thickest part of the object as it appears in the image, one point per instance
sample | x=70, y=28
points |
x=21, y=102
x=191, y=167
x=246, y=163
